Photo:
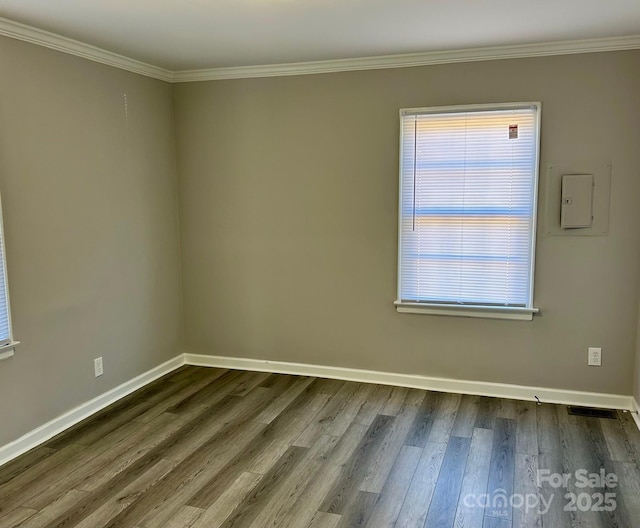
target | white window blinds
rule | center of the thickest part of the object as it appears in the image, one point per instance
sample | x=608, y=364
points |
x=467, y=205
x=5, y=316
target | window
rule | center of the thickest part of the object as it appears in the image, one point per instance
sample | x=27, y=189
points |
x=6, y=336
x=468, y=196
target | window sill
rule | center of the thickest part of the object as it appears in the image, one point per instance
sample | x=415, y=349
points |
x=484, y=312
x=7, y=351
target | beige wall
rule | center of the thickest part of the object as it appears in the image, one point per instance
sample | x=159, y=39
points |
x=90, y=213
x=636, y=372
x=288, y=203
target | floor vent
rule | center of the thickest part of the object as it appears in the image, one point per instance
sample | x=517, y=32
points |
x=589, y=412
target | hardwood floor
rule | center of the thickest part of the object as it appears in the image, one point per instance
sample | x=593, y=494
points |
x=208, y=448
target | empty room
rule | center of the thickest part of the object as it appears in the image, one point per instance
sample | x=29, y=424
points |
x=319, y=264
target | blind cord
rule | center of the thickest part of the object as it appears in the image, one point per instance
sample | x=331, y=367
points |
x=415, y=157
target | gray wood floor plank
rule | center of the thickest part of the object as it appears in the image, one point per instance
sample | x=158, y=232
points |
x=16, y=517
x=249, y=383
x=229, y=410
x=619, y=447
x=175, y=489
x=466, y=416
x=311, y=497
x=426, y=415
x=628, y=475
x=261, y=495
x=576, y=455
x=526, y=428
x=413, y=513
x=502, y=469
x=442, y=510
x=348, y=443
x=337, y=415
x=494, y=522
x=165, y=498
x=67, y=501
x=286, y=432
x=338, y=425
x=547, y=428
x=393, y=405
x=211, y=393
x=287, y=396
x=206, y=448
x=260, y=455
x=552, y=500
x=354, y=471
x=121, y=501
x=306, y=507
x=197, y=471
x=380, y=466
x=526, y=513
x=110, y=420
x=185, y=373
x=562, y=411
x=389, y=503
x=216, y=514
x=22, y=464
x=274, y=380
x=601, y=461
x=374, y=404
x=469, y=511
x=16, y=492
x=358, y=510
x=276, y=512
x=486, y=415
x=445, y=418
x=210, y=375
x=324, y=520
x=630, y=426
x=147, y=501
x=103, y=460
x=186, y=517
x=327, y=385
x=507, y=408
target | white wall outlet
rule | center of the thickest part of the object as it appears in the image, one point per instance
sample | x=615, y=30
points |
x=595, y=357
x=97, y=367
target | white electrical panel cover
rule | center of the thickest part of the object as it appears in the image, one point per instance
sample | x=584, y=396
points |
x=576, y=201
x=600, y=172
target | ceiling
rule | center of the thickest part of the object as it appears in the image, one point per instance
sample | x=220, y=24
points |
x=202, y=34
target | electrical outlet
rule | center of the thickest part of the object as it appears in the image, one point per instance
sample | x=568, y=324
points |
x=97, y=367
x=595, y=357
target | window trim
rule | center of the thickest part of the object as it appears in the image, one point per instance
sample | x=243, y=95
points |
x=525, y=313
x=7, y=349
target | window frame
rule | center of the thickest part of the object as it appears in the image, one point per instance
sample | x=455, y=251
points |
x=6, y=348
x=473, y=310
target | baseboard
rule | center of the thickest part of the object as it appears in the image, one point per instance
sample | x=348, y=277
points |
x=635, y=411
x=501, y=390
x=72, y=417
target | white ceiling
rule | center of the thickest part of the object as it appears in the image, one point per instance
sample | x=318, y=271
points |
x=199, y=34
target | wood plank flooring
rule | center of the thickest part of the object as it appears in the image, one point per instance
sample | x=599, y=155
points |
x=215, y=448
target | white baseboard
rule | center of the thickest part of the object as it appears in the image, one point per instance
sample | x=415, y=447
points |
x=635, y=407
x=57, y=425
x=500, y=390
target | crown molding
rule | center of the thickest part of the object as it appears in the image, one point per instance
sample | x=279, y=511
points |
x=413, y=59
x=16, y=30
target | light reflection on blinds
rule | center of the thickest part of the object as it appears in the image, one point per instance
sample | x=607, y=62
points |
x=468, y=181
